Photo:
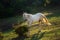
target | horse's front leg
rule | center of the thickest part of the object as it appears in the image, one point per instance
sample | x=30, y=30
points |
x=29, y=23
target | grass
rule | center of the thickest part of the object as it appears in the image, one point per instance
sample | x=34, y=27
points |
x=46, y=33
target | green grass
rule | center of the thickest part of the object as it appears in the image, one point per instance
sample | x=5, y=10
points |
x=53, y=32
x=47, y=32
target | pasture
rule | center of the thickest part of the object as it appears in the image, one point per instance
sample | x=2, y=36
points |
x=18, y=30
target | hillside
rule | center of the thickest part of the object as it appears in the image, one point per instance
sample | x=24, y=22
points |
x=20, y=31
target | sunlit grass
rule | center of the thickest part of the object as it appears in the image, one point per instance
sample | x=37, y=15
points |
x=47, y=32
x=53, y=32
x=33, y=31
x=9, y=35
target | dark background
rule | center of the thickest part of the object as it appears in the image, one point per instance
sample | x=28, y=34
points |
x=9, y=8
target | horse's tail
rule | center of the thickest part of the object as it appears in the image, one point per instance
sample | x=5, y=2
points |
x=45, y=19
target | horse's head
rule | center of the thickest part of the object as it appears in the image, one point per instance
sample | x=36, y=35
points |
x=26, y=16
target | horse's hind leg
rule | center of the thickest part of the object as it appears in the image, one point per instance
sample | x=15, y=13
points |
x=40, y=25
x=40, y=22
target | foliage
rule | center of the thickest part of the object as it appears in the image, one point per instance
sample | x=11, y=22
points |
x=16, y=7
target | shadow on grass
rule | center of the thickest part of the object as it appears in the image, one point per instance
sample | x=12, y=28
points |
x=38, y=36
x=21, y=31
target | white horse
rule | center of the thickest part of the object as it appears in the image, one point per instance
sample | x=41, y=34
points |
x=38, y=17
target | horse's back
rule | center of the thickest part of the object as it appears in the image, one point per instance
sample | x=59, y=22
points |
x=36, y=17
